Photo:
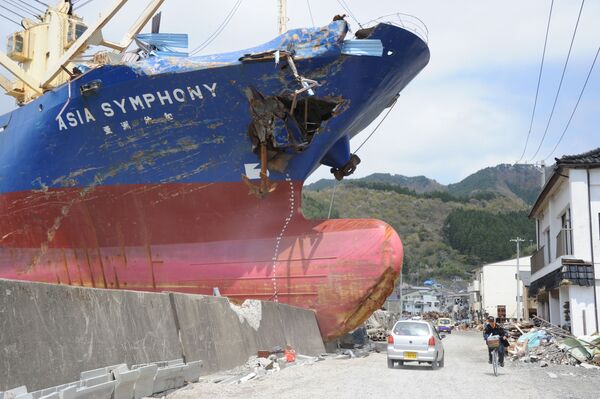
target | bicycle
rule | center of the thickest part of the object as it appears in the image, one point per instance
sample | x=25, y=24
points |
x=493, y=342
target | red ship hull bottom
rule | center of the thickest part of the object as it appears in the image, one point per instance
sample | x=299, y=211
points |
x=196, y=237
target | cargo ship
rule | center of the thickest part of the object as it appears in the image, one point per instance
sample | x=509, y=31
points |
x=143, y=168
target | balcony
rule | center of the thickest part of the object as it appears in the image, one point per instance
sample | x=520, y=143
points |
x=538, y=260
x=564, y=243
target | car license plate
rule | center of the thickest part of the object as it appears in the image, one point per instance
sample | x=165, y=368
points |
x=410, y=355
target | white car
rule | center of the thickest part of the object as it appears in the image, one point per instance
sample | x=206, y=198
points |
x=415, y=341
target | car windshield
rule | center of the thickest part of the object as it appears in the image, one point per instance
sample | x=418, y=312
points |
x=444, y=321
x=411, y=329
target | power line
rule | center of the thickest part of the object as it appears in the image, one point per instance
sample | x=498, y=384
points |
x=219, y=29
x=30, y=6
x=537, y=90
x=11, y=2
x=377, y=127
x=310, y=12
x=576, y=105
x=84, y=4
x=561, y=81
x=42, y=3
x=10, y=19
x=14, y=12
x=347, y=9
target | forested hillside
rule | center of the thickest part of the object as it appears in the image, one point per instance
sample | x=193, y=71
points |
x=446, y=233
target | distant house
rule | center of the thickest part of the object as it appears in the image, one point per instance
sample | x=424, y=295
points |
x=493, y=290
x=564, y=269
x=419, y=300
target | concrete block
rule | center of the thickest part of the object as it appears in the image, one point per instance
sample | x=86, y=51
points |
x=100, y=391
x=126, y=380
x=175, y=362
x=24, y=396
x=166, y=378
x=84, y=327
x=90, y=382
x=14, y=392
x=53, y=395
x=67, y=393
x=301, y=330
x=145, y=383
x=86, y=375
x=211, y=332
x=191, y=371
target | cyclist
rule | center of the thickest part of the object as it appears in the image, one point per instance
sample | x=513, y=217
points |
x=493, y=328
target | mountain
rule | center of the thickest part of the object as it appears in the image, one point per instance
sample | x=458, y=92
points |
x=418, y=184
x=446, y=230
x=514, y=181
x=521, y=181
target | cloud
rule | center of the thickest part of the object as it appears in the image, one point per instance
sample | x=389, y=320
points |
x=471, y=105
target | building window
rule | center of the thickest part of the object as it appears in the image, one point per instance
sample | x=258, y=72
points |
x=564, y=239
x=548, y=252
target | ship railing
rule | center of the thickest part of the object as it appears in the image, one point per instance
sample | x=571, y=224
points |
x=405, y=21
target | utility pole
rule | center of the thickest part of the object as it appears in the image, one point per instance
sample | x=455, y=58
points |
x=401, y=292
x=518, y=240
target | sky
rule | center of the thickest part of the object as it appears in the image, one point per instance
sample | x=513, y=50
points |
x=468, y=109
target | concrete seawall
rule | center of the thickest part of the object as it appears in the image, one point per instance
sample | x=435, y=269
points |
x=50, y=333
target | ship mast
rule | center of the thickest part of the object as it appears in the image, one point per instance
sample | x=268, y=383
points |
x=39, y=56
x=282, y=20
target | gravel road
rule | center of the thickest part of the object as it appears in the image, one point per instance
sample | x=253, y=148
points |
x=466, y=375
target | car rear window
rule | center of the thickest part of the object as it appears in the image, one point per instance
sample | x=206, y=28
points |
x=444, y=321
x=411, y=329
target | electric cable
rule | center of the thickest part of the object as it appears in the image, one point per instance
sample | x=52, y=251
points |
x=346, y=8
x=219, y=29
x=32, y=7
x=11, y=2
x=310, y=12
x=561, y=82
x=576, y=105
x=42, y=3
x=379, y=124
x=537, y=90
x=14, y=12
x=82, y=5
x=10, y=19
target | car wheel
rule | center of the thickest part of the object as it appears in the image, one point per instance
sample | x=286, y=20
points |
x=390, y=363
x=441, y=362
x=434, y=365
x=401, y=363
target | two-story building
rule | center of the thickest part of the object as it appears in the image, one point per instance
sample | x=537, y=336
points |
x=565, y=268
x=493, y=290
x=419, y=300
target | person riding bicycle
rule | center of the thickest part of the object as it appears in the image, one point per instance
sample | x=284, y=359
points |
x=493, y=328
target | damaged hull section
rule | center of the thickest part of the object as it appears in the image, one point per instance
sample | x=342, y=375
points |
x=186, y=175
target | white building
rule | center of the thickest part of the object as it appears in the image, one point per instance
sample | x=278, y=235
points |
x=420, y=301
x=565, y=268
x=494, y=289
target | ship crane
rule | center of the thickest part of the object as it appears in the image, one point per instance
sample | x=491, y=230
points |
x=40, y=57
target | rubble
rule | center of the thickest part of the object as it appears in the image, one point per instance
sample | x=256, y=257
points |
x=543, y=342
x=264, y=364
x=379, y=324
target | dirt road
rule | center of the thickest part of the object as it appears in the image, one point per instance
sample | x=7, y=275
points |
x=466, y=375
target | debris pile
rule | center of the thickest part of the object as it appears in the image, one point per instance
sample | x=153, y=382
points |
x=546, y=343
x=432, y=316
x=264, y=363
x=379, y=325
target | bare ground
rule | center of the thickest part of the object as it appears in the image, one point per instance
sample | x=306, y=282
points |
x=466, y=375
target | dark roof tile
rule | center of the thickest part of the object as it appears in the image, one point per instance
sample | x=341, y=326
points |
x=586, y=159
